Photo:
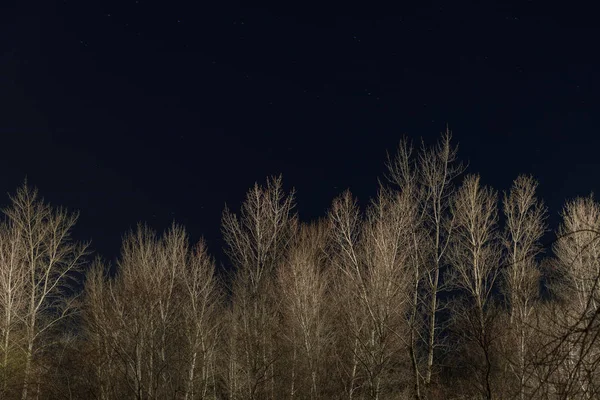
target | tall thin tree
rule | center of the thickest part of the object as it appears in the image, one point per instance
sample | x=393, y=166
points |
x=475, y=256
x=257, y=242
x=525, y=225
x=51, y=261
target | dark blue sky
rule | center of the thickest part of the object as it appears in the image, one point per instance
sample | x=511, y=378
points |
x=152, y=111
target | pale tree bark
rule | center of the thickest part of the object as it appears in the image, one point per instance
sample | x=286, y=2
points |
x=303, y=282
x=372, y=257
x=99, y=329
x=257, y=242
x=389, y=236
x=475, y=256
x=348, y=263
x=155, y=323
x=139, y=294
x=403, y=173
x=50, y=261
x=577, y=249
x=567, y=362
x=121, y=316
x=202, y=322
x=525, y=225
x=430, y=177
x=438, y=169
x=574, y=328
x=13, y=303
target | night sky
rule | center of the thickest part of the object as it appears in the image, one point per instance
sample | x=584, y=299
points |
x=158, y=111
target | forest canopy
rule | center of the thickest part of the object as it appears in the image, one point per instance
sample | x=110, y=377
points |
x=442, y=288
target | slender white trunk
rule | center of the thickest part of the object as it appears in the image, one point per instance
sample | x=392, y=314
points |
x=190, y=385
x=354, y=370
x=28, y=359
x=6, y=349
x=138, y=370
x=313, y=391
x=433, y=304
x=293, y=380
x=205, y=367
x=432, y=324
x=522, y=365
x=30, y=345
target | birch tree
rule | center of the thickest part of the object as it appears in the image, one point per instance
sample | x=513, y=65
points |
x=154, y=326
x=438, y=169
x=475, y=260
x=404, y=174
x=574, y=328
x=373, y=259
x=101, y=327
x=122, y=315
x=304, y=288
x=12, y=305
x=202, y=323
x=257, y=242
x=578, y=250
x=429, y=176
x=50, y=262
x=525, y=225
x=346, y=259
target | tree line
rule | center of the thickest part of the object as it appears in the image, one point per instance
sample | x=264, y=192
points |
x=440, y=289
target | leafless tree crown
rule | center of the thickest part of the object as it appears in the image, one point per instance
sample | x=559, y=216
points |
x=438, y=288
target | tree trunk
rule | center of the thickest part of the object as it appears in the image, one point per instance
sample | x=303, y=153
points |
x=190, y=385
x=432, y=320
x=27, y=372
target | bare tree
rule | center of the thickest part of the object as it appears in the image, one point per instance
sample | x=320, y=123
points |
x=304, y=288
x=430, y=180
x=346, y=259
x=578, y=249
x=153, y=327
x=143, y=285
x=438, y=168
x=567, y=357
x=571, y=358
x=101, y=332
x=373, y=260
x=257, y=242
x=475, y=257
x=525, y=225
x=202, y=322
x=356, y=306
x=12, y=304
x=403, y=173
x=50, y=261
x=123, y=318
